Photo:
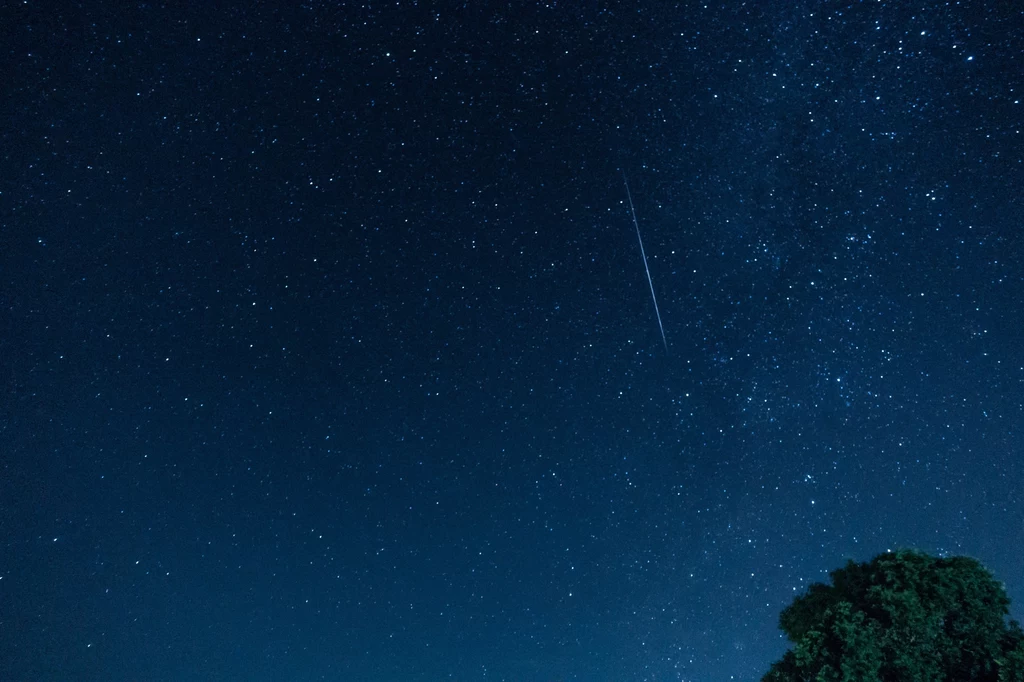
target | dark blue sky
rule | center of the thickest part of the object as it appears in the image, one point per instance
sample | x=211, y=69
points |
x=327, y=350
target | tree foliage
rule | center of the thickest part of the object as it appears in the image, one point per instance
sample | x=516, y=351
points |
x=902, y=617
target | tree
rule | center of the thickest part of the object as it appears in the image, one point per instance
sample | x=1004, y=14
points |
x=902, y=617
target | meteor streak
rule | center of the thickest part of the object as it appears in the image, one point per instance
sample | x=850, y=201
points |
x=654, y=298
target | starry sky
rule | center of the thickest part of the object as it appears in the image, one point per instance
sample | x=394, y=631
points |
x=327, y=350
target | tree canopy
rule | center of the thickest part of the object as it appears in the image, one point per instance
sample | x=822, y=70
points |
x=904, y=616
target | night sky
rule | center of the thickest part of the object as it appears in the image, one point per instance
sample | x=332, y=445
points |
x=327, y=350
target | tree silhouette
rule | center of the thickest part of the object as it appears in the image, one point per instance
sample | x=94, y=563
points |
x=902, y=617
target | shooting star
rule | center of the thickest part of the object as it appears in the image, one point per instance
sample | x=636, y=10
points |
x=644, y=256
